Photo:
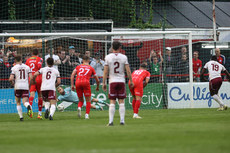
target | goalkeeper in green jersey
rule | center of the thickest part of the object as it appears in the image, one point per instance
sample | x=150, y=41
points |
x=69, y=97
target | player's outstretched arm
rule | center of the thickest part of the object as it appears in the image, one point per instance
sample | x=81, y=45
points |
x=32, y=79
x=58, y=82
x=98, y=82
x=146, y=82
x=105, y=74
x=11, y=79
x=128, y=71
x=72, y=78
x=202, y=75
x=30, y=76
x=227, y=74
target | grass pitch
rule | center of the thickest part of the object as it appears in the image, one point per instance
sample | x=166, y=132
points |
x=160, y=131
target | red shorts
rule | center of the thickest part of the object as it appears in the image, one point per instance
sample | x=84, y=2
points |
x=21, y=93
x=83, y=88
x=48, y=95
x=214, y=85
x=117, y=90
x=137, y=90
x=37, y=86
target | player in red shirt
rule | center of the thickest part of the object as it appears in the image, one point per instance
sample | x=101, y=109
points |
x=35, y=63
x=82, y=84
x=197, y=65
x=138, y=76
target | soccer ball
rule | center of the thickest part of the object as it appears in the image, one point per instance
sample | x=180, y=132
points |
x=60, y=107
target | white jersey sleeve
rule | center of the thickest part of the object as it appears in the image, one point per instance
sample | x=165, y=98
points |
x=116, y=63
x=214, y=69
x=49, y=76
x=21, y=74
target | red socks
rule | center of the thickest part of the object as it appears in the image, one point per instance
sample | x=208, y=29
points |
x=40, y=102
x=137, y=106
x=88, y=106
x=80, y=104
x=133, y=104
x=31, y=100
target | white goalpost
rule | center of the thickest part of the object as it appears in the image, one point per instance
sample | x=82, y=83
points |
x=155, y=94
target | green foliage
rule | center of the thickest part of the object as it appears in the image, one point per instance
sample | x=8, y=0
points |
x=151, y=12
x=133, y=14
x=145, y=8
x=11, y=10
x=50, y=8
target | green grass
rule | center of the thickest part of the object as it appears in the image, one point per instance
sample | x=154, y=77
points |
x=160, y=131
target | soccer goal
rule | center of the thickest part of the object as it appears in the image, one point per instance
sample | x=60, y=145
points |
x=160, y=51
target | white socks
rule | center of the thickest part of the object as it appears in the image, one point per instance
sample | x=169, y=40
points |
x=47, y=105
x=122, y=112
x=26, y=104
x=19, y=108
x=111, y=112
x=52, y=109
x=218, y=100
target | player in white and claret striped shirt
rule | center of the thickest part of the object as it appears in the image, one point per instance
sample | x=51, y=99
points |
x=48, y=87
x=19, y=78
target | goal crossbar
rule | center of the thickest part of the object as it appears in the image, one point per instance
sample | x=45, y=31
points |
x=96, y=33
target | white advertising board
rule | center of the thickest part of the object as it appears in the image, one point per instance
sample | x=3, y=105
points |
x=178, y=95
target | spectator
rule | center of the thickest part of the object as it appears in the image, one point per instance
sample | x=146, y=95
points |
x=11, y=54
x=1, y=55
x=131, y=52
x=5, y=69
x=183, y=69
x=87, y=53
x=65, y=67
x=92, y=61
x=221, y=58
x=56, y=58
x=155, y=69
x=110, y=50
x=99, y=67
x=75, y=59
x=197, y=65
x=183, y=51
x=169, y=69
x=154, y=54
x=26, y=56
x=77, y=55
x=228, y=64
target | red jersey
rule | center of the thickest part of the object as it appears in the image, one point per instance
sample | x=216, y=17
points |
x=35, y=63
x=140, y=75
x=84, y=72
x=196, y=65
x=221, y=59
